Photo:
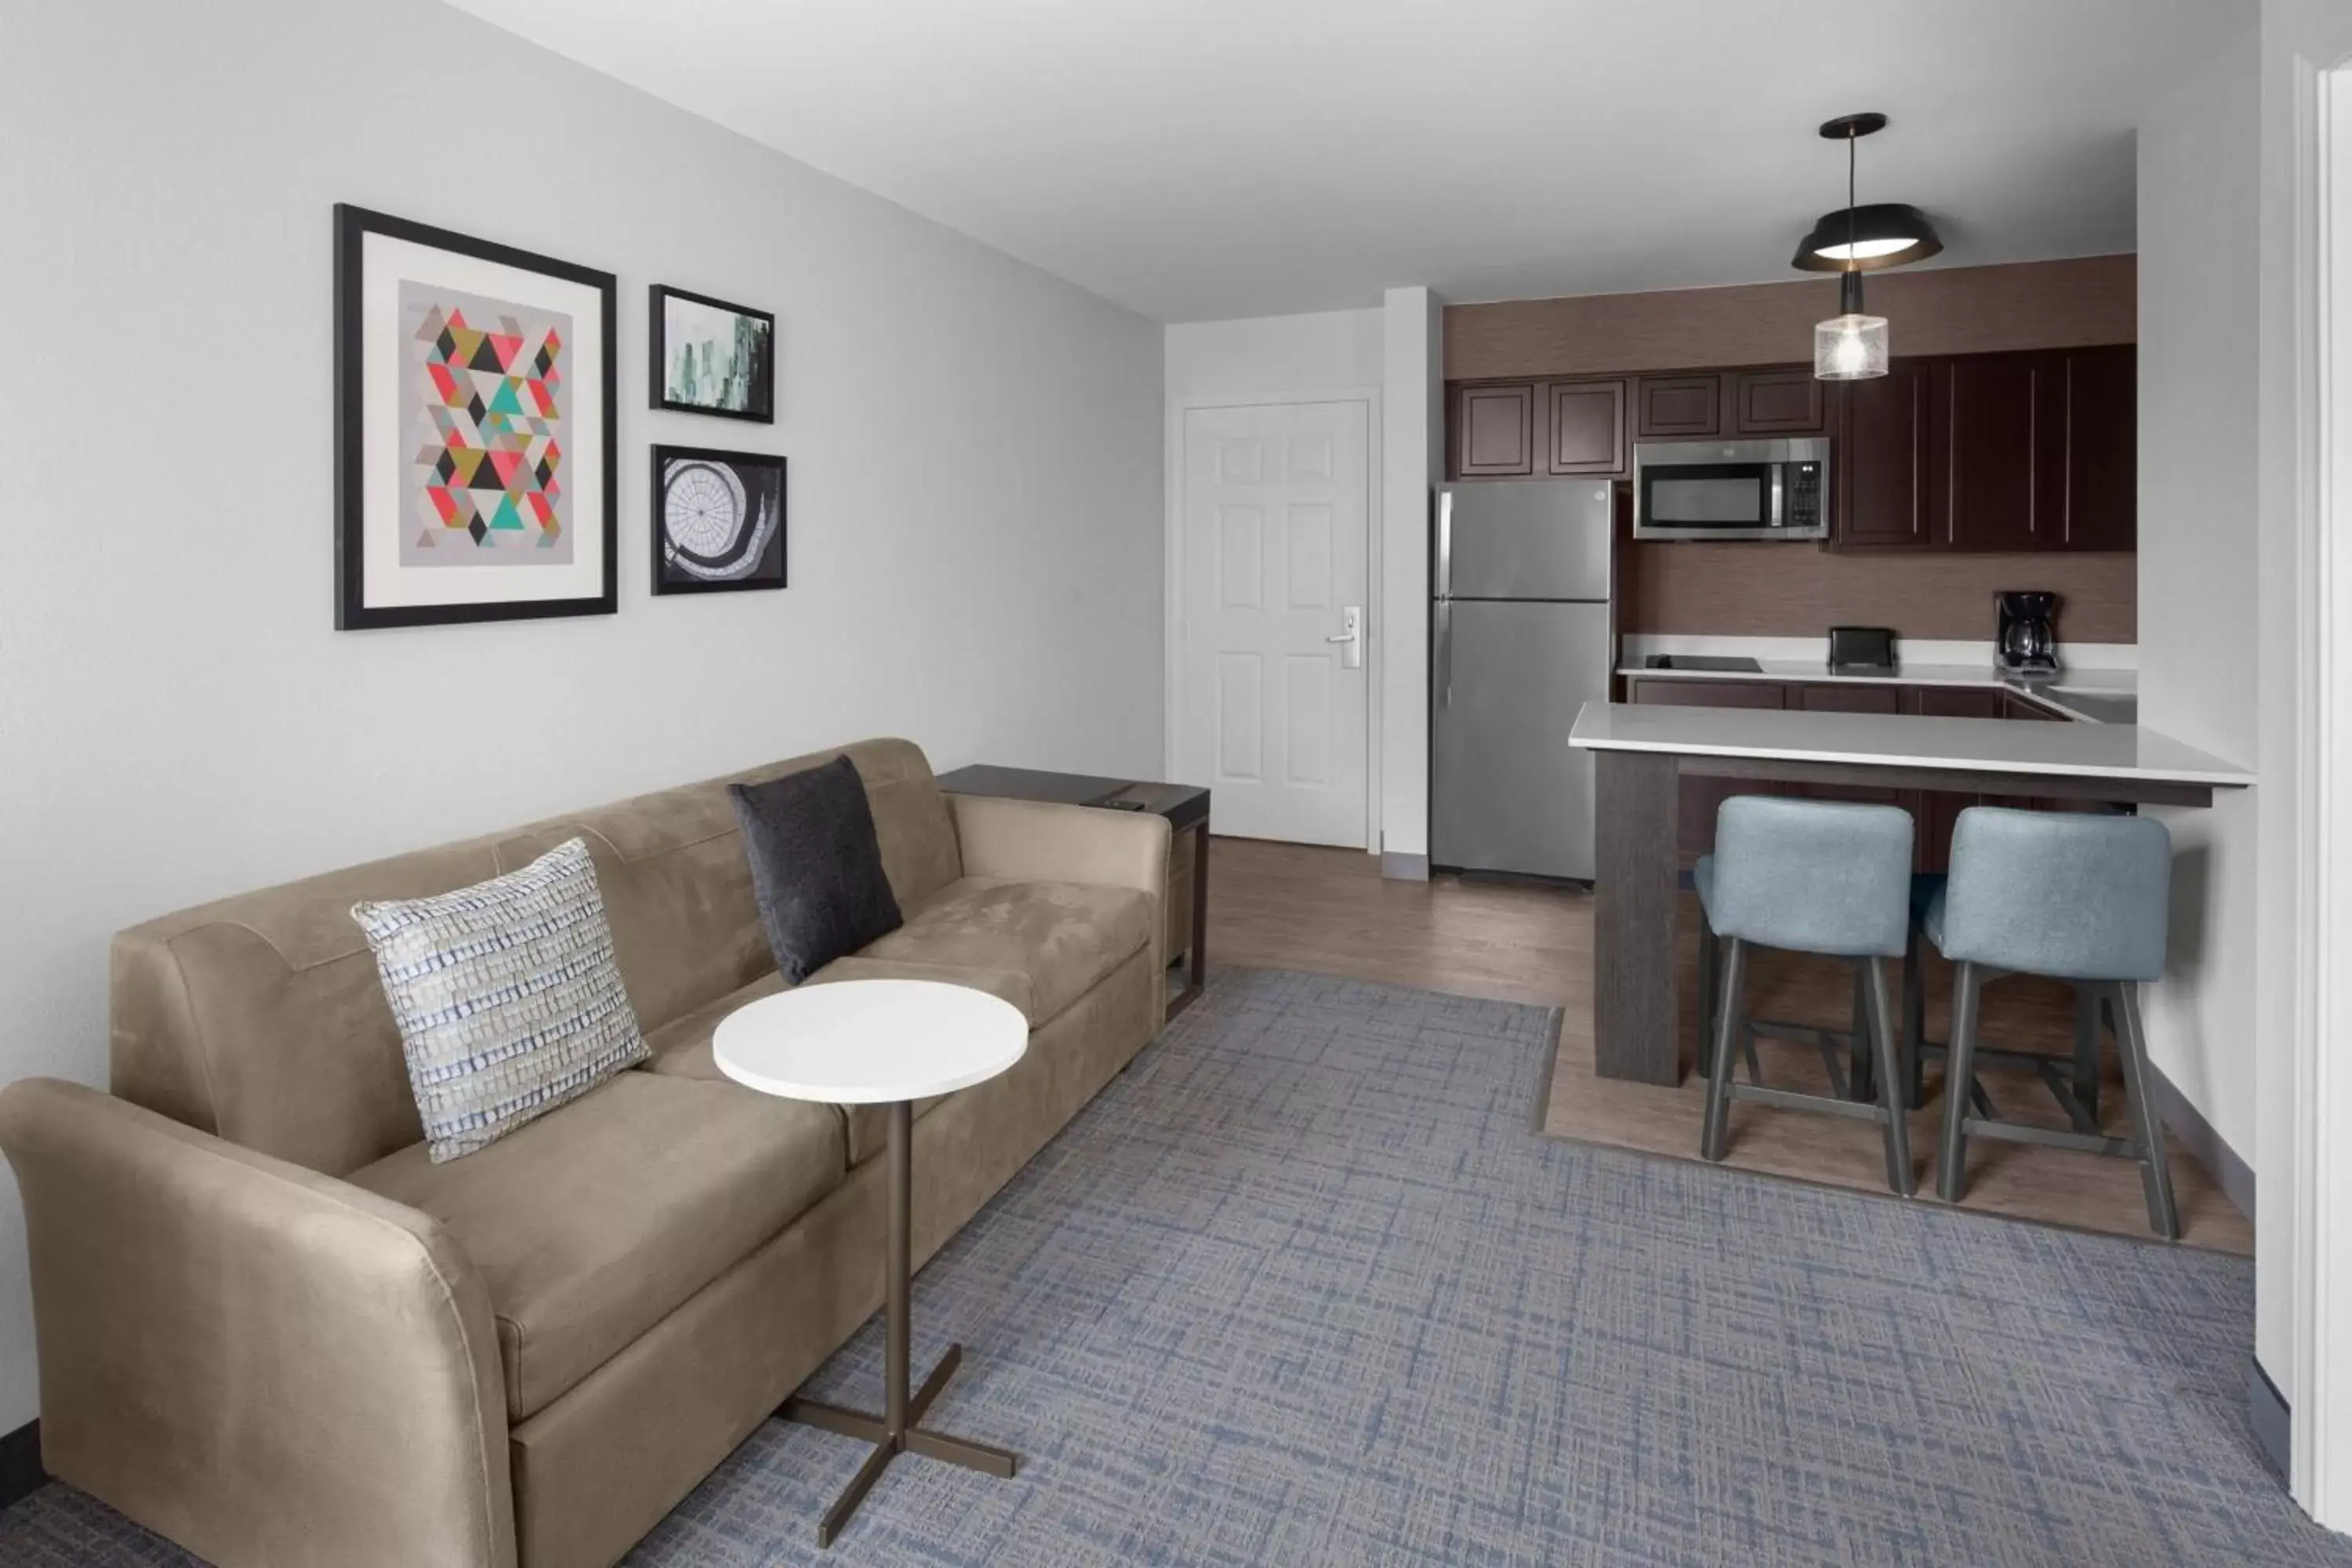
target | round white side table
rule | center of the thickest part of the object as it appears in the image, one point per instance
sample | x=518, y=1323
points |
x=867, y=1042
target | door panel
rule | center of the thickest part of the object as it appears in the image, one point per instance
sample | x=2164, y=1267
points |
x=1588, y=428
x=1509, y=793
x=1495, y=431
x=1883, y=477
x=1698, y=799
x=1998, y=414
x=1677, y=405
x=1544, y=540
x=1275, y=509
x=1776, y=403
x=2100, y=471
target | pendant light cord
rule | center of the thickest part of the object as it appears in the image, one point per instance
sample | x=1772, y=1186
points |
x=1850, y=286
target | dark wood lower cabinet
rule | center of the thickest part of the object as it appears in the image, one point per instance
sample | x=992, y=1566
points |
x=1695, y=805
x=1934, y=812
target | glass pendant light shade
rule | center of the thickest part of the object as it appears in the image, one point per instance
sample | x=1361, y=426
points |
x=1850, y=348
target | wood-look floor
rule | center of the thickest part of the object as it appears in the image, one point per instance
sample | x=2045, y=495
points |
x=1329, y=911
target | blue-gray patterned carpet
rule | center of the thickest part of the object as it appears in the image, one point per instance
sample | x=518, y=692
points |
x=1302, y=1287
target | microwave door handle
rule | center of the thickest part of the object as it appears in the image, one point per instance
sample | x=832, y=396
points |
x=1778, y=517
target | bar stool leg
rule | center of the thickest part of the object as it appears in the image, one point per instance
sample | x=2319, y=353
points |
x=2087, y=1046
x=1915, y=1025
x=1726, y=1035
x=2148, y=1131
x=1861, y=1071
x=1959, y=1075
x=1710, y=955
x=1881, y=1023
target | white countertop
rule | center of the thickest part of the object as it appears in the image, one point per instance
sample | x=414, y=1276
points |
x=2110, y=685
x=1896, y=740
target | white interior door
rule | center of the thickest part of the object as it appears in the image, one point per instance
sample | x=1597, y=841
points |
x=1273, y=711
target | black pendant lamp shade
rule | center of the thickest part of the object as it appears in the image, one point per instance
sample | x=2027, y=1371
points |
x=1884, y=234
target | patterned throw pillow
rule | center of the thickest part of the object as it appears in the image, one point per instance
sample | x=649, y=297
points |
x=507, y=998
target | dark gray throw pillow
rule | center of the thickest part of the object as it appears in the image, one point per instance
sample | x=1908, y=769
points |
x=816, y=866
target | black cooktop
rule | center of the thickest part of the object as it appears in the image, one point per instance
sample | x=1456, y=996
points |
x=1738, y=662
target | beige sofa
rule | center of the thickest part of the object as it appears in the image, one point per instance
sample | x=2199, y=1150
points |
x=273, y=1331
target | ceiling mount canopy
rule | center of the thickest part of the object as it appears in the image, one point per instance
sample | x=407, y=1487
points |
x=1872, y=238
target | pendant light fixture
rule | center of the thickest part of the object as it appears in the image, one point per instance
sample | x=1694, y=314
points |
x=1851, y=344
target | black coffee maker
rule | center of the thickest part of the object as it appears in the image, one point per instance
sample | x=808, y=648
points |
x=2029, y=636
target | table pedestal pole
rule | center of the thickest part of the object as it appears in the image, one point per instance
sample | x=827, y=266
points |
x=899, y=1429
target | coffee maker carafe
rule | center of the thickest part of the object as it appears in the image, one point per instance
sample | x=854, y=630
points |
x=2028, y=641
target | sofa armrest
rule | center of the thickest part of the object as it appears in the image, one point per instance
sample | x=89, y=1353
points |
x=1039, y=841
x=263, y=1364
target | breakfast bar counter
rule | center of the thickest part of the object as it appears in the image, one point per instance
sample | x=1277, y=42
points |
x=1642, y=752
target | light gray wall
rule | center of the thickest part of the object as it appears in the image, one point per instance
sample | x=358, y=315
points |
x=974, y=502
x=1322, y=351
x=2199, y=678
x=2298, y=37
x=1413, y=445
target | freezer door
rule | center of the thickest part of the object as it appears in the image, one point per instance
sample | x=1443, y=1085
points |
x=1547, y=539
x=1510, y=794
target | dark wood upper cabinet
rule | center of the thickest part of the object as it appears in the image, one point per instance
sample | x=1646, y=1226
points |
x=1495, y=431
x=2000, y=431
x=2098, y=481
x=1883, y=469
x=1669, y=406
x=2022, y=451
x=1588, y=428
x=1783, y=402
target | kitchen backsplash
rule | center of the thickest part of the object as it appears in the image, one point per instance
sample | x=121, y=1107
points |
x=1792, y=590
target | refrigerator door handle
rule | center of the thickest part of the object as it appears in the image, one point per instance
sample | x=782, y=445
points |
x=1445, y=543
x=1444, y=672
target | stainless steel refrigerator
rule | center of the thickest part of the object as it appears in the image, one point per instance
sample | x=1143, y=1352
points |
x=1522, y=636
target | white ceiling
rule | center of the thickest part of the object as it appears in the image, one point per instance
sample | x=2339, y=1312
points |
x=1198, y=159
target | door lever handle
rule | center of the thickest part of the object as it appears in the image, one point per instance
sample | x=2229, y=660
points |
x=1351, y=634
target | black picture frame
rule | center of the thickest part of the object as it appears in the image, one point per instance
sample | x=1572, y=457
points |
x=763, y=405
x=769, y=571
x=352, y=612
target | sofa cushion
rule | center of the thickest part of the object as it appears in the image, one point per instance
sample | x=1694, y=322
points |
x=1064, y=936
x=592, y=1223
x=683, y=1049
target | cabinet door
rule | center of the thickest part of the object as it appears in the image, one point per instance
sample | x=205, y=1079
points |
x=1783, y=402
x=1885, y=487
x=1850, y=697
x=1588, y=428
x=2000, y=428
x=1667, y=406
x=1494, y=431
x=1938, y=811
x=2098, y=482
x=1695, y=805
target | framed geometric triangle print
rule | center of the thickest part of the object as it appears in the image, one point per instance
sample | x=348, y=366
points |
x=476, y=450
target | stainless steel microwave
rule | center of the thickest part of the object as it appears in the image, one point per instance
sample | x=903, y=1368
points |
x=1732, y=489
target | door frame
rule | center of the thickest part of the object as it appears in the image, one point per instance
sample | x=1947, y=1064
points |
x=1171, y=636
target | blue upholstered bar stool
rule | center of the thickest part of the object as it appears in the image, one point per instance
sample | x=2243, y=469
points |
x=2076, y=897
x=1809, y=876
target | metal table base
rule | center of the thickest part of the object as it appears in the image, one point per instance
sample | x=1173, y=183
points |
x=898, y=1430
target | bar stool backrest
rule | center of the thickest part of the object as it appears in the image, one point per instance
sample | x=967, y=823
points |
x=1812, y=876
x=2059, y=893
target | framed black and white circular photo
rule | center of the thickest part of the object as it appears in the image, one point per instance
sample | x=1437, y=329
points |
x=719, y=520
